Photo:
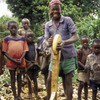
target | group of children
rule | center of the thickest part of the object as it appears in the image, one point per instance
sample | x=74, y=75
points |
x=88, y=67
x=25, y=58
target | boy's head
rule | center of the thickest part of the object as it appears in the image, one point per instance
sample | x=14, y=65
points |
x=55, y=9
x=13, y=27
x=85, y=41
x=96, y=46
x=43, y=27
x=29, y=36
x=25, y=23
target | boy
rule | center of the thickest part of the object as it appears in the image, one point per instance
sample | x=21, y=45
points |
x=43, y=54
x=93, y=62
x=2, y=60
x=14, y=48
x=65, y=27
x=22, y=32
x=25, y=27
x=82, y=73
x=32, y=66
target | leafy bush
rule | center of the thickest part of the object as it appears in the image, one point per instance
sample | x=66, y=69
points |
x=5, y=78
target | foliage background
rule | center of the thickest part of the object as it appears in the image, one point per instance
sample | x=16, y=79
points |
x=81, y=11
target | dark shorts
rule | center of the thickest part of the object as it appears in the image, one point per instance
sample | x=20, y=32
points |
x=94, y=85
x=33, y=72
x=66, y=66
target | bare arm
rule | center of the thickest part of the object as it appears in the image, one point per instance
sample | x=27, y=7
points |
x=23, y=55
x=20, y=60
x=73, y=39
x=10, y=58
x=79, y=63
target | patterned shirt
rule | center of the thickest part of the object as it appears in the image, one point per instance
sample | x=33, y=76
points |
x=65, y=28
x=15, y=49
x=90, y=62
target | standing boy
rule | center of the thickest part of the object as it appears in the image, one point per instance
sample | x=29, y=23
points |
x=43, y=54
x=14, y=48
x=65, y=27
x=82, y=69
x=32, y=66
x=93, y=61
x=25, y=27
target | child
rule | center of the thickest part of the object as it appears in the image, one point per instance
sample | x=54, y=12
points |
x=25, y=27
x=64, y=26
x=83, y=75
x=14, y=48
x=93, y=61
x=2, y=60
x=22, y=32
x=43, y=54
x=32, y=67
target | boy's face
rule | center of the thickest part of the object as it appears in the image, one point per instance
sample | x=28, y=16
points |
x=25, y=24
x=55, y=11
x=13, y=28
x=29, y=37
x=85, y=42
x=96, y=48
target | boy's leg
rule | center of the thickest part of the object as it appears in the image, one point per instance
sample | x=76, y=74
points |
x=19, y=84
x=30, y=89
x=12, y=77
x=81, y=85
x=29, y=73
x=67, y=84
x=94, y=94
x=45, y=77
x=86, y=91
x=35, y=84
x=48, y=86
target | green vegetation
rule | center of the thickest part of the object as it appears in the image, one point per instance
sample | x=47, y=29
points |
x=81, y=11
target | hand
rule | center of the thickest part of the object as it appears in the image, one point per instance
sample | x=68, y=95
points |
x=60, y=45
x=50, y=41
x=87, y=68
x=17, y=61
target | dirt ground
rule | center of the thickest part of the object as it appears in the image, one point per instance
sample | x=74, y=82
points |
x=6, y=92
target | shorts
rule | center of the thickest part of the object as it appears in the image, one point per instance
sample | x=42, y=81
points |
x=33, y=72
x=83, y=76
x=94, y=85
x=66, y=66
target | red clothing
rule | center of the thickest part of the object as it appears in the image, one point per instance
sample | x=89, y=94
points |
x=15, y=49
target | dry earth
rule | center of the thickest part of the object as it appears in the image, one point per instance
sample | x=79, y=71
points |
x=6, y=93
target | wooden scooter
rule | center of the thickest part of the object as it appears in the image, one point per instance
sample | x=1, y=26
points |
x=55, y=67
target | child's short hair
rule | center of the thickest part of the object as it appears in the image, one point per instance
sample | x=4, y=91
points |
x=96, y=41
x=30, y=32
x=85, y=36
x=26, y=19
x=12, y=22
